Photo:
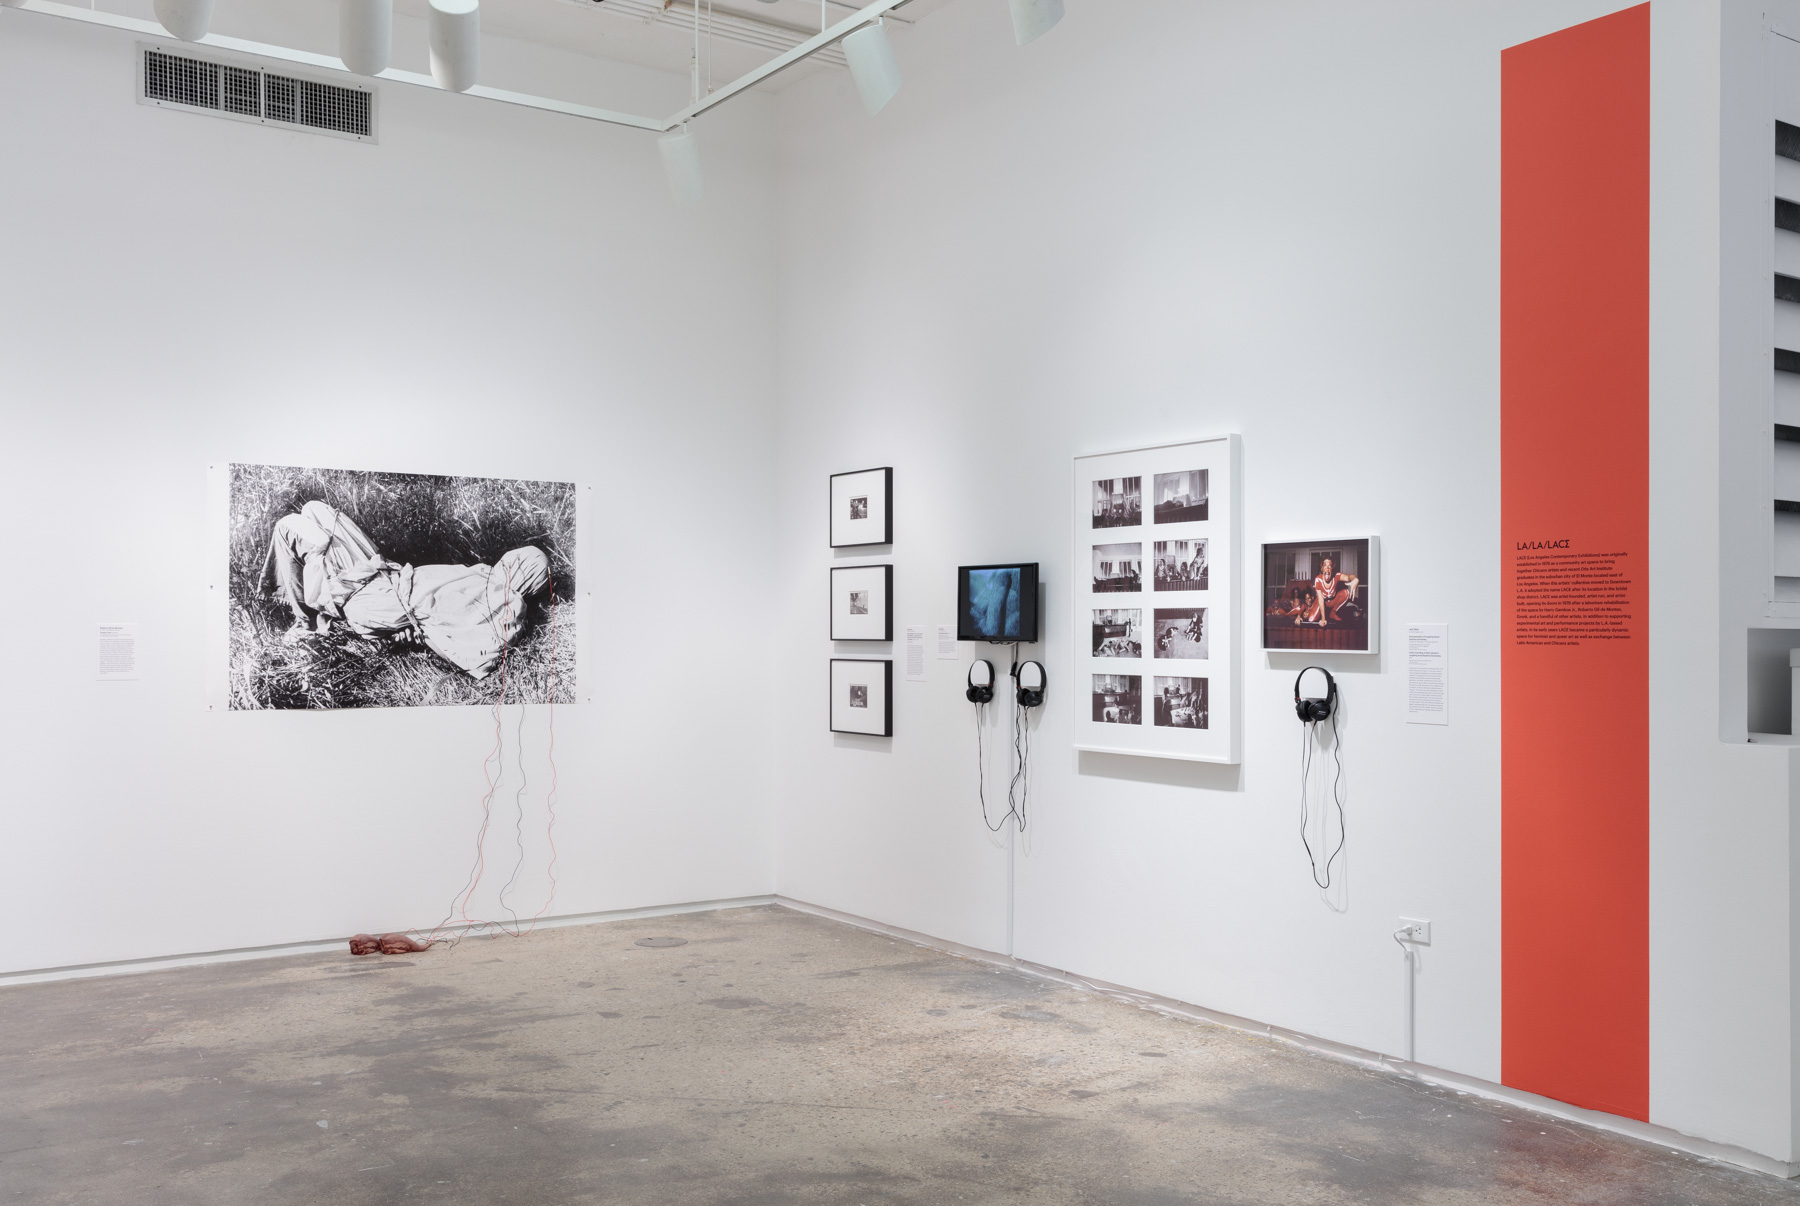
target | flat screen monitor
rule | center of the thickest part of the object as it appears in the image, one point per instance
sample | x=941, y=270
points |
x=997, y=603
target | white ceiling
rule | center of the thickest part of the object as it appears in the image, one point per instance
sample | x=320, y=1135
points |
x=660, y=33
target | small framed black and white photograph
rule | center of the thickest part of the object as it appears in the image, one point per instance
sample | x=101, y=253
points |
x=861, y=608
x=1181, y=633
x=1118, y=568
x=1118, y=699
x=1118, y=502
x=1181, y=497
x=1180, y=703
x=1181, y=564
x=862, y=508
x=862, y=697
x=1118, y=632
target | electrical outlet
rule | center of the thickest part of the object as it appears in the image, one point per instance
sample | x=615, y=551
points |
x=1415, y=930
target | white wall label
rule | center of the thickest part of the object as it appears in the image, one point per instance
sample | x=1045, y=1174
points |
x=946, y=642
x=118, y=653
x=915, y=653
x=1428, y=674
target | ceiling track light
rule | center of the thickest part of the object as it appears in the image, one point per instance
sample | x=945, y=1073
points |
x=1034, y=18
x=365, y=34
x=681, y=164
x=453, y=27
x=185, y=19
x=873, y=66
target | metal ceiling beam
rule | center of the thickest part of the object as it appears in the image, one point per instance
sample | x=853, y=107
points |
x=837, y=33
x=867, y=15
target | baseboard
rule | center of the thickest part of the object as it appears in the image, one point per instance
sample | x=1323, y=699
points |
x=126, y=967
x=1662, y=1136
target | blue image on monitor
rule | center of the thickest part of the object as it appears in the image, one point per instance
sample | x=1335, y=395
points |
x=994, y=603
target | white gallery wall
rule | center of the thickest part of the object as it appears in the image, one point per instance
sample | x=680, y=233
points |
x=489, y=290
x=1280, y=220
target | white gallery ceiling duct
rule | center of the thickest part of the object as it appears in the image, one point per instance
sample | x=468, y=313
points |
x=873, y=66
x=1032, y=18
x=453, y=27
x=681, y=162
x=185, y=19
x=365, y=34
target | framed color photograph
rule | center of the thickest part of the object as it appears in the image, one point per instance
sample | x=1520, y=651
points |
x=860, y=603
x=1322, y=595
x=862, y=697
x=862, y=508
x=1158, y=634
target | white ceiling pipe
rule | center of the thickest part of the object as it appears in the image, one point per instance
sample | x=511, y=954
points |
x=365, y=34
x=1032, y=18
x=873, y=66
x=185, y=19
x=453, y=27
x=681, y=163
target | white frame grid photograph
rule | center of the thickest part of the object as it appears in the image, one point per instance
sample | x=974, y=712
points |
x=1203, y=641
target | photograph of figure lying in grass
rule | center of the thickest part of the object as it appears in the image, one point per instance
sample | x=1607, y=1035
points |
x=352, y=589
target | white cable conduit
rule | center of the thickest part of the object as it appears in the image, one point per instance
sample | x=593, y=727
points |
x=867, y=15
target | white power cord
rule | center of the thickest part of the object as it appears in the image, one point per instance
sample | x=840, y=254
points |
x=1406, y=938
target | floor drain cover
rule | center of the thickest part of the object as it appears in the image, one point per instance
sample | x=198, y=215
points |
x=661, y=942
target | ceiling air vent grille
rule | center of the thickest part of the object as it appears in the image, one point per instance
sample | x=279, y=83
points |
x=248, y=93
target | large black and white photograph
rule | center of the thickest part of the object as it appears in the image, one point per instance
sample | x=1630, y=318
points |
x=862, y=696
x=1181, y=497
x=1180, y=703
x=358, y=589
x=1118, y=632
x=1320, y=594
x=1118, y=698
x=1118, y=568
x=1180, y=564
x=1181, y=633
x=862, y=508
x=1119, y=502
x=860, y=607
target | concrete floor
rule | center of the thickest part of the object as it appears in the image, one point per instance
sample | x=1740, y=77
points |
x=774, y=1058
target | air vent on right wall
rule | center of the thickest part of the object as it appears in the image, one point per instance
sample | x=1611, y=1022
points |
x=1786, y=300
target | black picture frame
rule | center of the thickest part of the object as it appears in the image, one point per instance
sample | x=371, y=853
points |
x=887, y=695
x=881, y=486
x=887, y=601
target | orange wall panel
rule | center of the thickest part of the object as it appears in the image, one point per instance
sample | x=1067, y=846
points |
x=1574, y=461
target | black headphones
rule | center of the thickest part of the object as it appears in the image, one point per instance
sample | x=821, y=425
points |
x=1031, y=683
x=1313, y=710
x=981, y=682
